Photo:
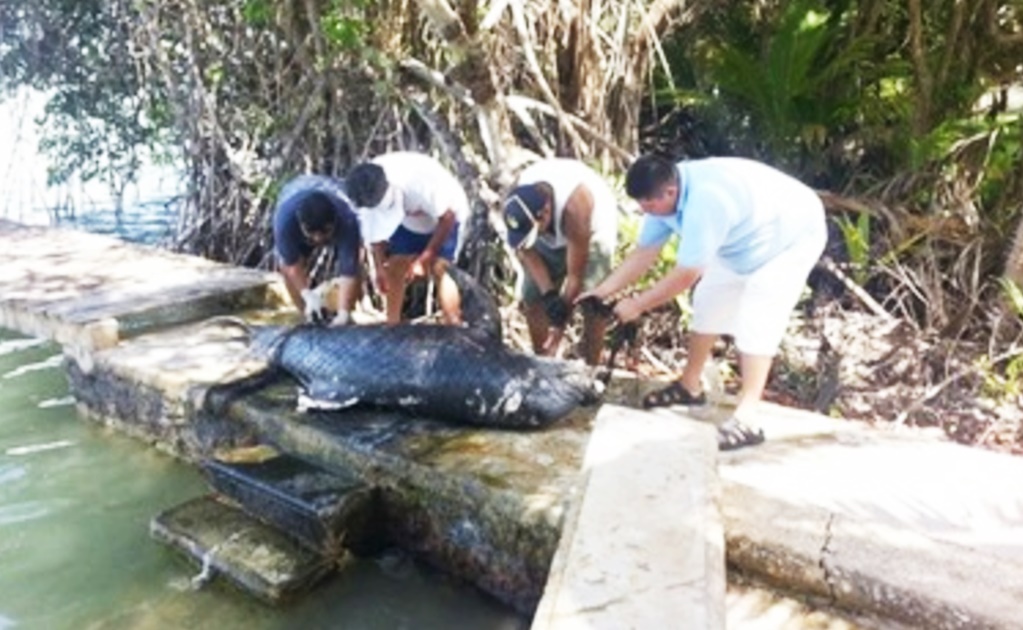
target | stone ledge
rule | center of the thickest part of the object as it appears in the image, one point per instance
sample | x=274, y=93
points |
x=643, y=546
x=482, y=505
x=864, y=566
x=223, y=540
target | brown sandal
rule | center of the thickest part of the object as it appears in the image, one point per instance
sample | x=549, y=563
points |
x=673, y=394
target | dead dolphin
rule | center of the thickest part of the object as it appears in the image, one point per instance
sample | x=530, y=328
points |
x=463, y=374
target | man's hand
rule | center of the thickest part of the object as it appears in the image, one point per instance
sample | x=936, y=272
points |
x=592, y=305
x=627, y=310
x=422, y=265
x=557, y=309
x=315, y=312
x=591, y=296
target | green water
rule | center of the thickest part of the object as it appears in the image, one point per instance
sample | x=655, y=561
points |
x=75, y=505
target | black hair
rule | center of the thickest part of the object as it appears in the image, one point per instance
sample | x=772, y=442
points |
x=648, y=175
x=366, y=184
x=316, y=212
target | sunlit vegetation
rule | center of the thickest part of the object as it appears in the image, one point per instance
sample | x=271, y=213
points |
x=905, y=115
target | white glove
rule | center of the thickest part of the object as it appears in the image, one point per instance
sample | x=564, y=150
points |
x=342, y=318
x=313, y=305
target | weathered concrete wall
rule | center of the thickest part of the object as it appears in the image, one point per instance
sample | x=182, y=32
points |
x=487, y=506
x=153, y=387
x=483, y=505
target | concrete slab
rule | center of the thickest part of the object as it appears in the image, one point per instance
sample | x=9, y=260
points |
x=904, y=479
x=89, y=291
x=644, y=547
x=753, y=606
x=488, y=505
x=225, y=541
x=897, y=523
x=151, y=387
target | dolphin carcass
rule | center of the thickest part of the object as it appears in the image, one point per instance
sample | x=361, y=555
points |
x=462, y=374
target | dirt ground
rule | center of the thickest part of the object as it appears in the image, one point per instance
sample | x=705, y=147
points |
x=866, y=368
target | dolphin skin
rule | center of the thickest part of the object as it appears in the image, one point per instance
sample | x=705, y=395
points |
x=446, y=373
x=463, y=374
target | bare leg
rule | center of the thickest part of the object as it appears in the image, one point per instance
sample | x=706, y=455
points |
x=397, y=267
x=700, y=347
x=754, y=371
x=536, y=319
x=343, y=293
x=448, y=297
x=592, y=341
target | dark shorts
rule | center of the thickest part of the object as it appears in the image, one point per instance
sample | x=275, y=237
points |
x=598, y=266
x=405, y=242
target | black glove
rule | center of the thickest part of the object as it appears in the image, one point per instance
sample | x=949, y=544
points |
x=593, y=305
x=558, y=311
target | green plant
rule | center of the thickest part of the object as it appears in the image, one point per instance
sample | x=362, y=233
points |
x=1004, y=384
x=1013, y=295
x=795, y=76
x=856, y=237
x=628, y=235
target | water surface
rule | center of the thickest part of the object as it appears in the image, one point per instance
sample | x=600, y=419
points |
x=75, y=552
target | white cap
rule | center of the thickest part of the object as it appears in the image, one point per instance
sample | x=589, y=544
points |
x=380, y=222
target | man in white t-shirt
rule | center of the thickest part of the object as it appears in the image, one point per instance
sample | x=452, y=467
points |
x=562, y=222
x=750, y=235
x=411, y=210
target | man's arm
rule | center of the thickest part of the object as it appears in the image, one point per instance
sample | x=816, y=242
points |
x=672, y=284
x=445, y=224
x=537, y=270
x=296, y=280
x=578, y=231
x=636, y=263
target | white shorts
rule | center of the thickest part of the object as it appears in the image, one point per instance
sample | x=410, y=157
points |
x=755, y=308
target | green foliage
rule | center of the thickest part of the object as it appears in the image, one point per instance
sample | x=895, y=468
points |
x=1006, y=383
x=344, y=24
x=795, y=84
x=344, y=32
x=796, y=79
x=982, y=154
x=1013, y=295
x=856, y=237
x=628, y=235
x=1001, y=384
x=257, y=13
x=99, y=115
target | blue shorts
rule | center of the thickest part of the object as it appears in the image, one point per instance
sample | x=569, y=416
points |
x=405, y=242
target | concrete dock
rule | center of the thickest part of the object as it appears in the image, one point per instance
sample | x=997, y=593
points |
x=893, y=527
x=89, y=291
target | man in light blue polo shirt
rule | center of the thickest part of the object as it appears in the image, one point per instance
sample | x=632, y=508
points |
x=750, y=235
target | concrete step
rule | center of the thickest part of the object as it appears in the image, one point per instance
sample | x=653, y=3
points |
x=89, y=291
x=643, y=545
x=483, y=505
x=893, y=523
x=327, y=512
x=224, y=541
